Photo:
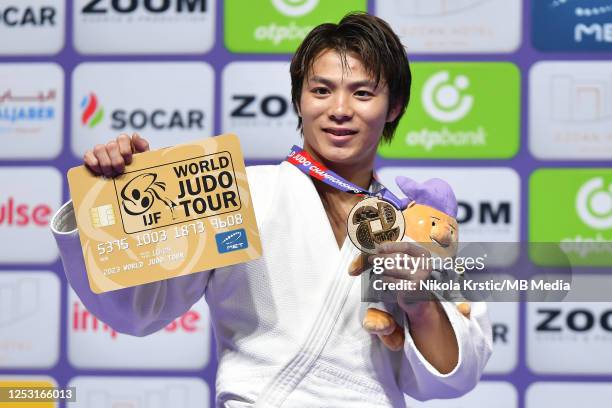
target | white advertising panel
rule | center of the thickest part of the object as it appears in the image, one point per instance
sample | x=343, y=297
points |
x=570, y=110
x=31, y=110
x=167, y=103
x=29, y=319
x=183, y=344
x=29, y=198
x=257, y=107
x=143, y=26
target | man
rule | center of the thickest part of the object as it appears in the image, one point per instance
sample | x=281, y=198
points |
x=288, y=325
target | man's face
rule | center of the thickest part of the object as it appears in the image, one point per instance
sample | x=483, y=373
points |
x=343, y=113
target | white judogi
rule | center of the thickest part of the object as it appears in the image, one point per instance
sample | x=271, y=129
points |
x=288, y=325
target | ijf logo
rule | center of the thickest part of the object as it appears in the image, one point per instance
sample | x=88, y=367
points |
x=231, y=241
x=139, y=194
x=573, y=207
x=560, y=25
x=444, y=101
x=571, y=110
x=279, y=25
x=467, y=110
x=441, y=26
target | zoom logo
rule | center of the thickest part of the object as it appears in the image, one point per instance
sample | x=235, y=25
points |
x=146, y=26
x=444, y=101
x=231, y=241
x=271, y=106
x=295, y=8
x=556, y=329
x=180, y=6
x=578, y=320
x=594, y=204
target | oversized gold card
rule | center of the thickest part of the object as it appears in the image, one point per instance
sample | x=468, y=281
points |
x=174, y=211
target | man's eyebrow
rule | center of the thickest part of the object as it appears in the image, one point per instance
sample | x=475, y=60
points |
x=330, y=83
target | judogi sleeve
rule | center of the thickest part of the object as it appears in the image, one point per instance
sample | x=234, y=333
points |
x=420, y=380
x=138, y=310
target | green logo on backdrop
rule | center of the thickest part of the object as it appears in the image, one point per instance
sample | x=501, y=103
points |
x=279, y=26
x=460, y=110
x=573, y=207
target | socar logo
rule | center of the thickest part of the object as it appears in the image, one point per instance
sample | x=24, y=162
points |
x=594, y=204
x=295, y=8
x=443, y=100
x=93, y=112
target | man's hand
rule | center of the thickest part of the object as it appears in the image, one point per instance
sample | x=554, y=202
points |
x=110, y=159
x=414, y=266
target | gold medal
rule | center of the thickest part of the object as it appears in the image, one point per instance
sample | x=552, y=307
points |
x=373, y=221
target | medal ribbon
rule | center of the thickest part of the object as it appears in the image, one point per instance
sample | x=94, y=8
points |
x=311, y=167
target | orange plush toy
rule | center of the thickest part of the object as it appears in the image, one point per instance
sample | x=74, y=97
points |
x=430, y=216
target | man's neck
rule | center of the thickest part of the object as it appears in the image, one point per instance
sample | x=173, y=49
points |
x=359, y=174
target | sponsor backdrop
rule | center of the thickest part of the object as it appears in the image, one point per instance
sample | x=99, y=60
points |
x=511, y=103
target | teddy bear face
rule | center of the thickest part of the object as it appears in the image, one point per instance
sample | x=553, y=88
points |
x=432, y=228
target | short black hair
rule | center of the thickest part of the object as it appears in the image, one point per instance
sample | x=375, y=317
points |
x=377, y=46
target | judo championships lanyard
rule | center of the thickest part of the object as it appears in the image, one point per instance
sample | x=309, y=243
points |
x=311, y=167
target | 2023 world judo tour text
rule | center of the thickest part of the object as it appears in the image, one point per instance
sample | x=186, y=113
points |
x=159, y=254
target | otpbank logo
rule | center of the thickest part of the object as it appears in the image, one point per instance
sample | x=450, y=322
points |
x=91, y=111
x=279, y=26
x=574, y=208
x=567, y=25
x=460, y=110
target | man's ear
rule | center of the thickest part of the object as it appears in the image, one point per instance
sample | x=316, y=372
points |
x=393, y=113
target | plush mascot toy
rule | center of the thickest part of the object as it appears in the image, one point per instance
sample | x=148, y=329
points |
x=430, y=216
